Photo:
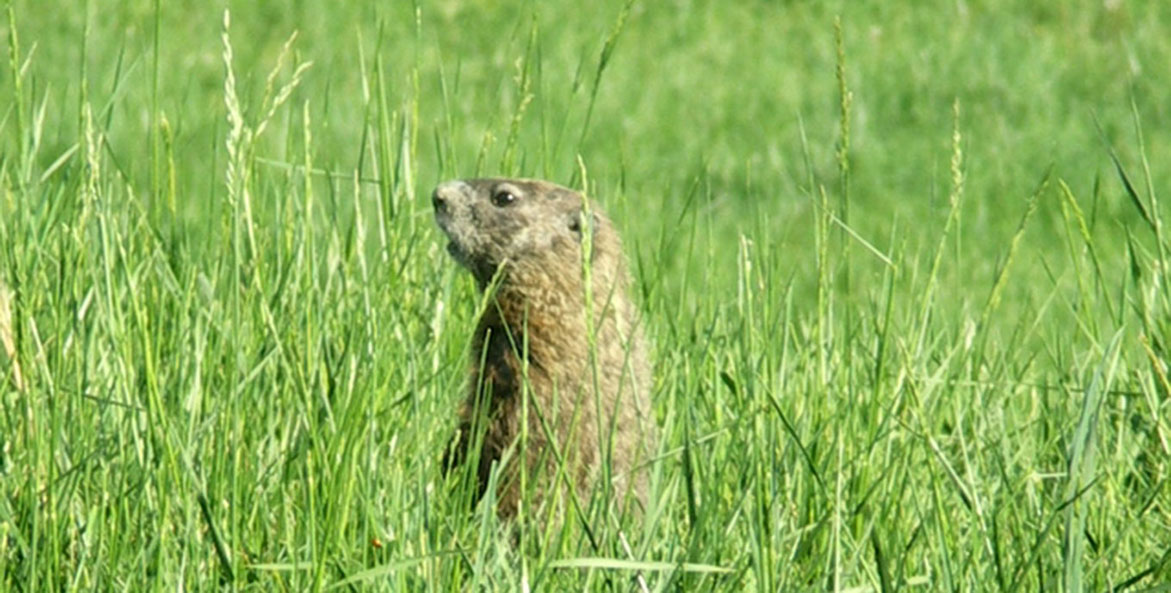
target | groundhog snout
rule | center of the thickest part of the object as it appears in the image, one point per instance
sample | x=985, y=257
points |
x=447, y=195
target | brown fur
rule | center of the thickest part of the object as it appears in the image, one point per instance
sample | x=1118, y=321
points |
x=528, y=251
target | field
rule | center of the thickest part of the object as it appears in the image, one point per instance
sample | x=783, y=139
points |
x=904, y=274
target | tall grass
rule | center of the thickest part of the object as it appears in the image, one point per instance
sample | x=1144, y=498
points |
x=910, y=328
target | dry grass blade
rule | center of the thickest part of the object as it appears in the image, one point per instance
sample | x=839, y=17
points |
x=7, y=339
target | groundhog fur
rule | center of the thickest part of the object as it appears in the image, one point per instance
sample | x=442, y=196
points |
x=523, y=240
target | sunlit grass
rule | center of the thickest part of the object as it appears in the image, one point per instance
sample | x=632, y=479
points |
x=906, y=284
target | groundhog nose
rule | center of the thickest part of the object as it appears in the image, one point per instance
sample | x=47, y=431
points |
x=447, y=193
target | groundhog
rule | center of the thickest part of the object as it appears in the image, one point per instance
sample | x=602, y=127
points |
x=553, y=354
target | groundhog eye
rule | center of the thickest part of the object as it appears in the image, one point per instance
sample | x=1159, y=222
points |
x=503, y=198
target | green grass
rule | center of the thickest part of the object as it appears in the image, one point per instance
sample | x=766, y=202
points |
x=910, y=324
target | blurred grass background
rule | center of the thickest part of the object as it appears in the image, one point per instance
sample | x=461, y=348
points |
x=936, y=358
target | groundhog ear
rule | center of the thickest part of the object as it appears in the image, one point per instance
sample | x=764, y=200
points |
x=577, y=221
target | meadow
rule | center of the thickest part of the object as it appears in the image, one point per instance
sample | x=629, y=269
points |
x=903, y=271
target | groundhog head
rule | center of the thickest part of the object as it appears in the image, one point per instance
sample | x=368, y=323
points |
x=499, y=222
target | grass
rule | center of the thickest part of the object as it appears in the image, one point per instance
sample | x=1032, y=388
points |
x=906, y=284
